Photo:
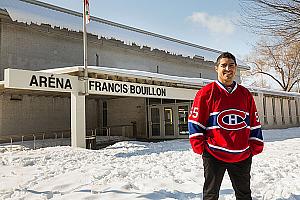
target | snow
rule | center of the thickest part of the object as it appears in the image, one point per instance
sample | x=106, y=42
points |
x=140, y=170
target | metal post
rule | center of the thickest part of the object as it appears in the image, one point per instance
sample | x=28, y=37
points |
x=11, y=141
x=85, y=50
x=55, y=139
x=33, y=141
x=43, y=139
x=22, y=140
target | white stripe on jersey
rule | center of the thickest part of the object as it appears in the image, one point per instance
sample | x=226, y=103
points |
x=255, y=138
x=212, y=127
x=213, y=113
x=228, y=150
x=195, y=135
x=255, y=127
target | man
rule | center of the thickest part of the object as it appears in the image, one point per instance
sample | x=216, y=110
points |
x=224, y=127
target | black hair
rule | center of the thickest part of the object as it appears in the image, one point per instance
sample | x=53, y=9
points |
x=225, y=55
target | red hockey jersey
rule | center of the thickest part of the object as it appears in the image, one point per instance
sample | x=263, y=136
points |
x=225, y=124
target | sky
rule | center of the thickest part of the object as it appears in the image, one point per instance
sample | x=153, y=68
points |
x=209, y=23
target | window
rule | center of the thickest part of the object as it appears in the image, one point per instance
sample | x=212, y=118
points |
x=97, y=59
x=168, y=101
x=182, y=101
x=104, y=113
x=153, y=101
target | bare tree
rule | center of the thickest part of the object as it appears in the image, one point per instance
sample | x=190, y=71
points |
x=273, y=17
x=280, y=63
x=249, y=78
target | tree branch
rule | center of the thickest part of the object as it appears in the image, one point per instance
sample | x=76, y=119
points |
x=292, y=85
x=273, y=77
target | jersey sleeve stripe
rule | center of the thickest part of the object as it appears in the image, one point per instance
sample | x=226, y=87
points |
x=195, y=135
x=197, y=123
x=256, y=133
x=195, y=128
x=254, y=138
x=255, y=127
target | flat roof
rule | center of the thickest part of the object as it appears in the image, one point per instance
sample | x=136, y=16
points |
x=100, y=72
x=198, y=82
x=181, y=81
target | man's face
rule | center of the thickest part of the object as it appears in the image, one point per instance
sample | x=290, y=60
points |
x=226, y=71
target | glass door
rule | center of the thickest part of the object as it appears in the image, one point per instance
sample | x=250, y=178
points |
x=154, y=121
x=183, y=113
x=168, y=121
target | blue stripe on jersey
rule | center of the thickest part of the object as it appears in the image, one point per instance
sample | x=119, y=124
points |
x=195, y=128
x=257, y=133
x=247, y=120
x=212, y=121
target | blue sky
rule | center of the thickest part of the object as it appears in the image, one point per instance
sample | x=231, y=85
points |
x=210, y=23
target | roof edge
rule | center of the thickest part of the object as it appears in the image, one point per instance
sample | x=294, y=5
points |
x=130, y=28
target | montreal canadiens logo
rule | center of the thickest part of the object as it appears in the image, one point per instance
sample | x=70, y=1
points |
x=232, y=119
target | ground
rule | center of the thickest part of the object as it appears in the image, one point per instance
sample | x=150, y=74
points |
x=139, y=170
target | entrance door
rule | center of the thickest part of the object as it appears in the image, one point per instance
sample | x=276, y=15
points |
x=169, y=121
x=154, y=123
x=183, y=113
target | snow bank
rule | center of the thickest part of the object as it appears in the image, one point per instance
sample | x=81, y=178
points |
x=139, y=170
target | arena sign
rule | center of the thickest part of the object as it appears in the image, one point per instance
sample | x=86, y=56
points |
x=119, y=88
x=31, y=80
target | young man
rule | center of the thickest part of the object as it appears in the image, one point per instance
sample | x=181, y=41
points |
x=224, y=127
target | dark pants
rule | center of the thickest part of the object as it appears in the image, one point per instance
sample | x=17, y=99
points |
x=238, y=172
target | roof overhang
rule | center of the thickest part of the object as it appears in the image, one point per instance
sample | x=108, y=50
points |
x=102, y=81
x=132, y=76
x=135, y=76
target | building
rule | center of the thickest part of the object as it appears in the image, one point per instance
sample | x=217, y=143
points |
x=141, y=84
